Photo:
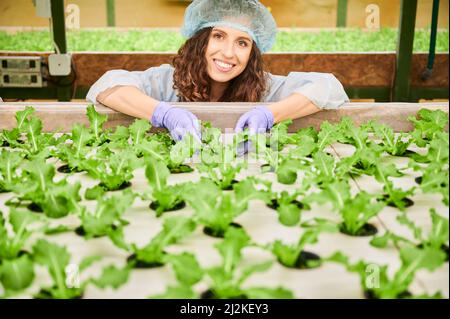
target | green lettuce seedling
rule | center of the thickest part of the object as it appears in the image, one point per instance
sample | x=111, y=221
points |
x=188, y=273
x=16, y=275
x=218, y=162
x=436, y=238
x=13, y=136
x=113, y=174
x=97, y=121
x=393, y=144
x=393, y=196
x=21, y=221
x=65, y=276
x=55, y=199
x=355, y=211
x=182, y=151
x=174, y=230
x=435, y=176
x=76, y=153
x=292, y=256
x=376, y=280
x=285, y=203
x=9, y=163
x=226, y=281
x=107, y=217
x=214, y=208
x=328, y=134
x=279, y=136
x=166, y=197
x=430, y=123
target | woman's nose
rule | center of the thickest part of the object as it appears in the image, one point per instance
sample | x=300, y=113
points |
x=228, y=49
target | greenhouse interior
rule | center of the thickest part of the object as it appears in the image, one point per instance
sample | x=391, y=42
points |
x=302, y=153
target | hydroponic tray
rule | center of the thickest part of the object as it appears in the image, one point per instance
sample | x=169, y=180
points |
x=261, y=223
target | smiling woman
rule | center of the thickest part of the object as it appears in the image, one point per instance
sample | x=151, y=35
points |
x=220, y=61
x=228, y=53
x=231, y=70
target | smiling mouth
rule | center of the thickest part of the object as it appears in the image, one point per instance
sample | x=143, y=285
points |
x=222, y=66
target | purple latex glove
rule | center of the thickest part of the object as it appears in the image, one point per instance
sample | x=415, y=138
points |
x=257, y=120
x=178, y=121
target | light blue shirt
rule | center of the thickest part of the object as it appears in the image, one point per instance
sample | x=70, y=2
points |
x=323, y=89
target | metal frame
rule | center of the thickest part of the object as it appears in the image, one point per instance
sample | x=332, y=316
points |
x=401, y=89
x=64, y=88
x=341, y=20
x=110, y=13
x=432, y=50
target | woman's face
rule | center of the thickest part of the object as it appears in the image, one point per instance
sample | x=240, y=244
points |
x=227, y=53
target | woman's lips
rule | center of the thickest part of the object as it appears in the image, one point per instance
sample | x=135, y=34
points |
x=222, y=66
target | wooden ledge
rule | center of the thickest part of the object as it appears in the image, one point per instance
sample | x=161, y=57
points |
x=60, y=116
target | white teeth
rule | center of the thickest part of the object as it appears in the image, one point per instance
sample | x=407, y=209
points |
x=223, y=64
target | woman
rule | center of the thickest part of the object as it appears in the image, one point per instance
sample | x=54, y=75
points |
x=220, y=61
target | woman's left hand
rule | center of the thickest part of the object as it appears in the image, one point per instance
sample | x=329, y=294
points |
x=258, y=120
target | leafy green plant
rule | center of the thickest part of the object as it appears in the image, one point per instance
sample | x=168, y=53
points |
x=284, y=165
x=436, y=238
x=375, y=279
x=188, y=273
x=328, y=134
x=324, y=168
x=362, y=161
x=214, y=208
x=97, y=122
x=218, y=162
x=393, y=144
x=173, y=155
x=36, y=144
x=336, y=194
x=153, y=254
x=430, y=123
x=279, y=136
x=435, y=176
x=57, y=260
x=226, y=282
x=13, y=138
x=16, y=275
x=55, y=199
x=21, y=221
x=285, y=203
x=9, y=162
x=76, y=152
x=393, y=196
x=114, y=174
x=107, y=218
x=294, y=255
x=288, y=208
x=355, y=211
x=287, y=171
x=165, y=197
x=180, y=152
x=351, y=134
x=156, y=40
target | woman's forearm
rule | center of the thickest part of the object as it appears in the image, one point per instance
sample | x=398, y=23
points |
x=128, y=100
x=292, y=107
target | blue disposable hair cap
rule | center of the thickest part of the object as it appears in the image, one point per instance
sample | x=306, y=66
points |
x=249, y=16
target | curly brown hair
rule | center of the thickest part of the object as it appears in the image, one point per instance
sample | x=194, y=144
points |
x=193, y=83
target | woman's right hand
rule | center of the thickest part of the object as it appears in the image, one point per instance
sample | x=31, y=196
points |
x=178, y=121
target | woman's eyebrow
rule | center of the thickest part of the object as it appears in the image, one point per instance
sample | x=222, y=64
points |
x=245, y=38
x=241, y=37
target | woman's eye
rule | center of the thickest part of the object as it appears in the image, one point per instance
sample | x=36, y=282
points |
x=243, y=43
x=218, y=36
